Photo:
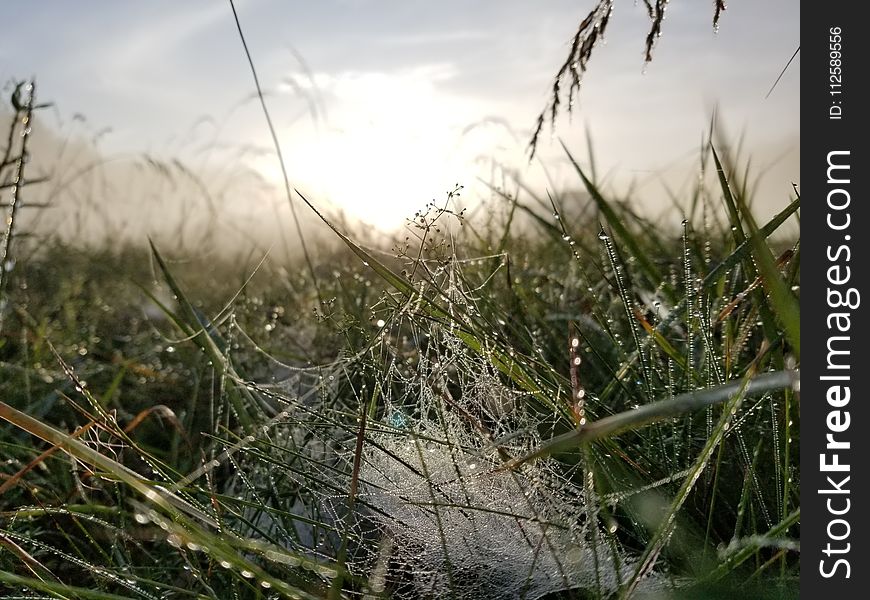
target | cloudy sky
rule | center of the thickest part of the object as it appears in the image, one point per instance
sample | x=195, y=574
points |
x=382, y=105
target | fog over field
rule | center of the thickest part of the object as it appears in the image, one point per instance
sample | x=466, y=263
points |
x=381, y=107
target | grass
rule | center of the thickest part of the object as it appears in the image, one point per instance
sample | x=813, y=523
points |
x=567, y=400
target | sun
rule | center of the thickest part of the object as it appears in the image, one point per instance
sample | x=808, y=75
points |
x=392, y=144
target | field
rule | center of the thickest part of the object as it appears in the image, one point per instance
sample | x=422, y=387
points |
x=564, y=399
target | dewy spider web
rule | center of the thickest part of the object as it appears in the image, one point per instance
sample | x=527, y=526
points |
x=455, y=523
x=431, y=511
x=435, y=516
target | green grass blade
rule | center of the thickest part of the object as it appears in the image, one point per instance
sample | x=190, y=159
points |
x=736, y=559
x=736, y=393
x=642, y=256
x=657, y=411
x=61, y=590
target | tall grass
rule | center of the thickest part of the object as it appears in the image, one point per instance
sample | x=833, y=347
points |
x=592, y=407
x=590, y=34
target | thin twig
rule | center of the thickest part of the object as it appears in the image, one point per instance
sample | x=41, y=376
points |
x=17, y=184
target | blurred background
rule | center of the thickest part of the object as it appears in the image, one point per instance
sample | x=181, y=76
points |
x=380, y=107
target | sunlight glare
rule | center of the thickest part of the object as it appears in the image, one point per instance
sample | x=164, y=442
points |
x=393, y=142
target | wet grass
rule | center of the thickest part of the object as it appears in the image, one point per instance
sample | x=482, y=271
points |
x=231, y=429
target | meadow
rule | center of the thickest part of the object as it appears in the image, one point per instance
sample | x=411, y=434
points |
x=565, y=399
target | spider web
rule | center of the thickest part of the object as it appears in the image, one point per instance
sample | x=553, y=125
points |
x=436, y=514
x=390, y=463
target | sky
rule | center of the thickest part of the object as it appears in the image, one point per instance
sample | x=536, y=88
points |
x=383, y=105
